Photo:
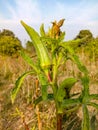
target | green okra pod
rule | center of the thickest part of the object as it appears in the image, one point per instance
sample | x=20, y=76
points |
x=40, y=48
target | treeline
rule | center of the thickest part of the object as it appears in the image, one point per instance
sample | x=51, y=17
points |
x=84, y=41
x=85, y=44
x=9, y=43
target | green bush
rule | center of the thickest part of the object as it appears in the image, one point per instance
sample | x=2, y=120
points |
x=9, y=44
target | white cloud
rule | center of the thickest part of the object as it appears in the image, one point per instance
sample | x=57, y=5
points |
x=27, y=10
x=78, y=17
x=81, y=16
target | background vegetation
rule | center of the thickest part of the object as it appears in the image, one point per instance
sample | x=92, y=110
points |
x=9, y=44
x=12, y=66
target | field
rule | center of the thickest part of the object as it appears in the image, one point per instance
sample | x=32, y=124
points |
x=11, y=68
x=51, y=84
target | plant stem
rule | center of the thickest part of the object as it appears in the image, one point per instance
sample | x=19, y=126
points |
x=37, y=107
x=59, y=121
x=25, y=125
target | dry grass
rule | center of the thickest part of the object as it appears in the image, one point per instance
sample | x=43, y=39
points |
x=11, y=69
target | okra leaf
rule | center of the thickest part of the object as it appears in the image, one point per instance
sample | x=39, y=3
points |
x=70, y=102
x=18, y=84
x=64, y=88
x=75, y=58
x=93, y=96
x=42, y=31
x=85, y=121
x=40, y=99
x=74, y=94
x=93, y=104
x=29, y=61
x=68, y=83
x=79, y=64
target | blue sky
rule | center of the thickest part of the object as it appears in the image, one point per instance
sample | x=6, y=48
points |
x=79, y=14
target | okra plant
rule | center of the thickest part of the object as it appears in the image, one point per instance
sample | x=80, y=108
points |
x=52, y=51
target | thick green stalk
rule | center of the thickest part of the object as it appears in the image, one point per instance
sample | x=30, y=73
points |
x=55, y=89
x=85, y=122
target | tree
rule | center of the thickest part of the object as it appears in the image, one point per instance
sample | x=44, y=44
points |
x=85, y=36
x=30, y=47
x=9, y=44
x=6, y=32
